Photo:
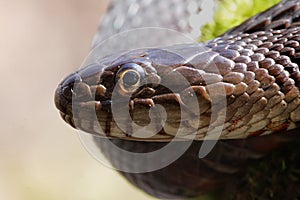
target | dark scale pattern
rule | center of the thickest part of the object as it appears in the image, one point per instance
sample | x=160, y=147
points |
x=273, y=58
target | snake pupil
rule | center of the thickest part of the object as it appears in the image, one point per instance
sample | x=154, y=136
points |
x=131, y=75
x=130, y=78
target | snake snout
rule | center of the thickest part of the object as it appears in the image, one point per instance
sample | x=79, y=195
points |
x=64, y=93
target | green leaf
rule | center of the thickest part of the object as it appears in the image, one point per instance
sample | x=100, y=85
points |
x=231, y=13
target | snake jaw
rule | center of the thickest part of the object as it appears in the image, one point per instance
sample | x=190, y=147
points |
x=88, y=107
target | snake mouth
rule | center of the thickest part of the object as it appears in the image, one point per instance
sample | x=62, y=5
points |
x=63, y=97
x=88, y=107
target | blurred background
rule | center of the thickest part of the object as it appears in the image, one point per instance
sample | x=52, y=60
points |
x=41, y=42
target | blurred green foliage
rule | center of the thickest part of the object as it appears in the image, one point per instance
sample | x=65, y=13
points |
x=231, y=13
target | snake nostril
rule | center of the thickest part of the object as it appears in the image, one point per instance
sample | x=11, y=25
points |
x=64, y=92
x=67, y=85
x=60, y=101
x=67, y=92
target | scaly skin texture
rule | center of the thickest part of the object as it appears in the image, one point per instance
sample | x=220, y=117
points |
x=259, y=74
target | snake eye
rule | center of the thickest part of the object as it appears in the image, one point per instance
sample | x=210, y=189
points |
x=130, y=77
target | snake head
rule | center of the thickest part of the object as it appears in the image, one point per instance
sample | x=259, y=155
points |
x=140, y=80
x=92, y=87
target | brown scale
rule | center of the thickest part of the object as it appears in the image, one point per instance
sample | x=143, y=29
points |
x=272, y=90
x=240, y=67
x=275, y=99
x=257, y=56
x=252, y=66
x=272, y=56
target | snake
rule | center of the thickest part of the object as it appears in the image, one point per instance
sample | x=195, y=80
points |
x=246, y=86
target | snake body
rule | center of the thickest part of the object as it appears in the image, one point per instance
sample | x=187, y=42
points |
x=256, y=65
